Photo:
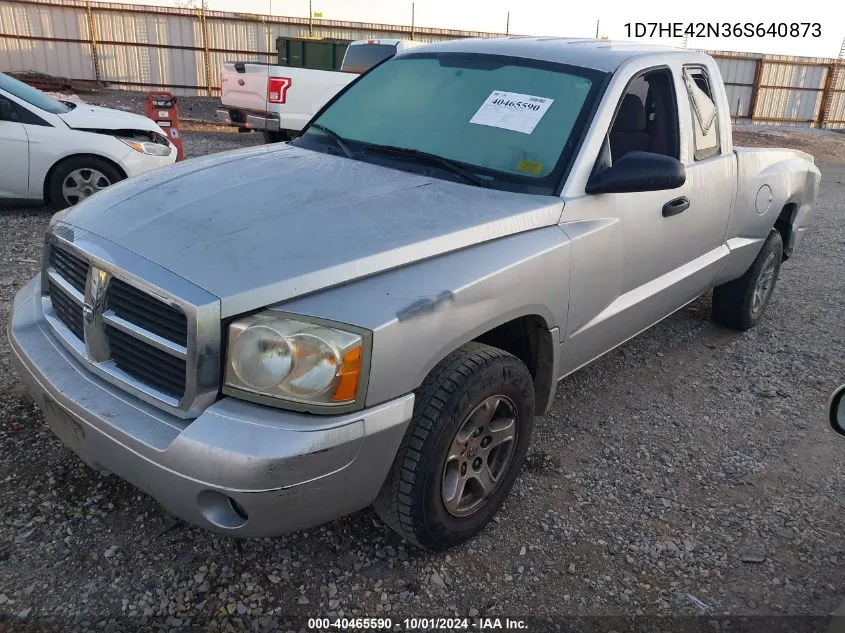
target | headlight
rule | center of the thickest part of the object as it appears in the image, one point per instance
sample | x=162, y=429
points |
x=147, y=147
x=296, y=361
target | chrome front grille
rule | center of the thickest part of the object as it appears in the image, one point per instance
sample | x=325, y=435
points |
x=139, y=335
x=71, y=268
x=68, y=310
x=147, y=363
x=139, y=308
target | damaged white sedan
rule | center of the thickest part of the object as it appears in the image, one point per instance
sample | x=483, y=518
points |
x=61, y=152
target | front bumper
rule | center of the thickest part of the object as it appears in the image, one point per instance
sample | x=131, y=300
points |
x=239, y=468
x=249, y=120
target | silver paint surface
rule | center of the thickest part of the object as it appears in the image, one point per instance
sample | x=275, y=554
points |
x=283, y=222
x=424, y=264
x=287, y=470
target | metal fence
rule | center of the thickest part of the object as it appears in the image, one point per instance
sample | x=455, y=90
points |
x=142, y=47
x=776, y=89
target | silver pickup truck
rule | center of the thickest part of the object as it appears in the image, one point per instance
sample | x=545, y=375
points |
x=268, y=339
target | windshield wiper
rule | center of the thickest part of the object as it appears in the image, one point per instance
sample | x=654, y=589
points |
x=431, y=159
x=341, y=143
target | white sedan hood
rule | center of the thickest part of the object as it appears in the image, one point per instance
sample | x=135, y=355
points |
x=89, y=117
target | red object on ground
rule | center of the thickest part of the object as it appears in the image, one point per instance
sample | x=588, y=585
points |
x=160, y=106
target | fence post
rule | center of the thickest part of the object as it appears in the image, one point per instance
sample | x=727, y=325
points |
x=412, y=19
x=827, y=96
x=755, y=91
x=830, y=83
x=310, y=20
x=92, y=35
x=206, y=52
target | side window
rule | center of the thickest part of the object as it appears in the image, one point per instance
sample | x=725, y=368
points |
x=705, y=119
x=647, y=117
x=11, y=111
x=7, y=110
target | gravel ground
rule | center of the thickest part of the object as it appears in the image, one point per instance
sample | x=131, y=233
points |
x=689, y=472
x=825, y=145
x=190, y=108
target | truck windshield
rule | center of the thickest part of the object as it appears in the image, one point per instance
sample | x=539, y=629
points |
x=507, y=123
x=32, y=96
x=360, y=58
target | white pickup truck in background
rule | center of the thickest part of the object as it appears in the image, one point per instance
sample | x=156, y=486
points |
x=280, y=100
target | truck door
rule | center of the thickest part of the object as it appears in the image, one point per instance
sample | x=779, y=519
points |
x=708, y=156
x=637, y=257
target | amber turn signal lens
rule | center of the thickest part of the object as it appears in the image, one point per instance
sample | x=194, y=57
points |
x=350, y=370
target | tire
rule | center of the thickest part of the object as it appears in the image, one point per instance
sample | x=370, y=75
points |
x=413, y=499
x=735, y=303
x=89, y=173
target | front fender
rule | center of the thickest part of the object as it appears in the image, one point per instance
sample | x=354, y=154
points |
x=422, y=312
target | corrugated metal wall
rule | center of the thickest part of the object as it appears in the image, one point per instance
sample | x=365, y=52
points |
x=778, y=90
x=142, y=47
x=738, y=75
x=156, y=62
x=64, y=58
x=837, y=100
x=802, y=102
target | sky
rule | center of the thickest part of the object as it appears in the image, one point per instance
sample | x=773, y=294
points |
x=577, y=19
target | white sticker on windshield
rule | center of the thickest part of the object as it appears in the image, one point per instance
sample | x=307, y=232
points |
x=512, y=111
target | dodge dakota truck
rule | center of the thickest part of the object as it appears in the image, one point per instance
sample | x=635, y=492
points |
x=279, y=100
x=374, y=314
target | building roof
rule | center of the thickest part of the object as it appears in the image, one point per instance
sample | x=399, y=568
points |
x=604, y=55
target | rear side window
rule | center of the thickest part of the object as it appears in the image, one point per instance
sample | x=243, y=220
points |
x=8, y=112
x=705, y=115
x=11, y=111
x=361, y=57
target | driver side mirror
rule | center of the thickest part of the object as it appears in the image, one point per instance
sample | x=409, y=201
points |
x=638, y=171
x=837, y=410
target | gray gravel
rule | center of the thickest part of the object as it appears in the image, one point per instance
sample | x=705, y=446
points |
x=190, y=108
x=688, y=472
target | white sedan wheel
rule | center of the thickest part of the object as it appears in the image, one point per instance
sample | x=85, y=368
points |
x=82, y=183
x=77, y=178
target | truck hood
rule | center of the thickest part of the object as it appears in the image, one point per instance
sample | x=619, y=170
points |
x=260, y=226
x=89, y=117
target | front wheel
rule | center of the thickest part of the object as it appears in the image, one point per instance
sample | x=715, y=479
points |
x=739, y=304
x=464, y=448
x=80, y=177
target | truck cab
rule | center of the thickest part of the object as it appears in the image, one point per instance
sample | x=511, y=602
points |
x=364, y=54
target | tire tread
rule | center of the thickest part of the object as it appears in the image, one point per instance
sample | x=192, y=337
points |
x=394, y=504
x=732, y=300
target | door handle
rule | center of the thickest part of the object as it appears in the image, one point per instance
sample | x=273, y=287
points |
x=676, y=206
